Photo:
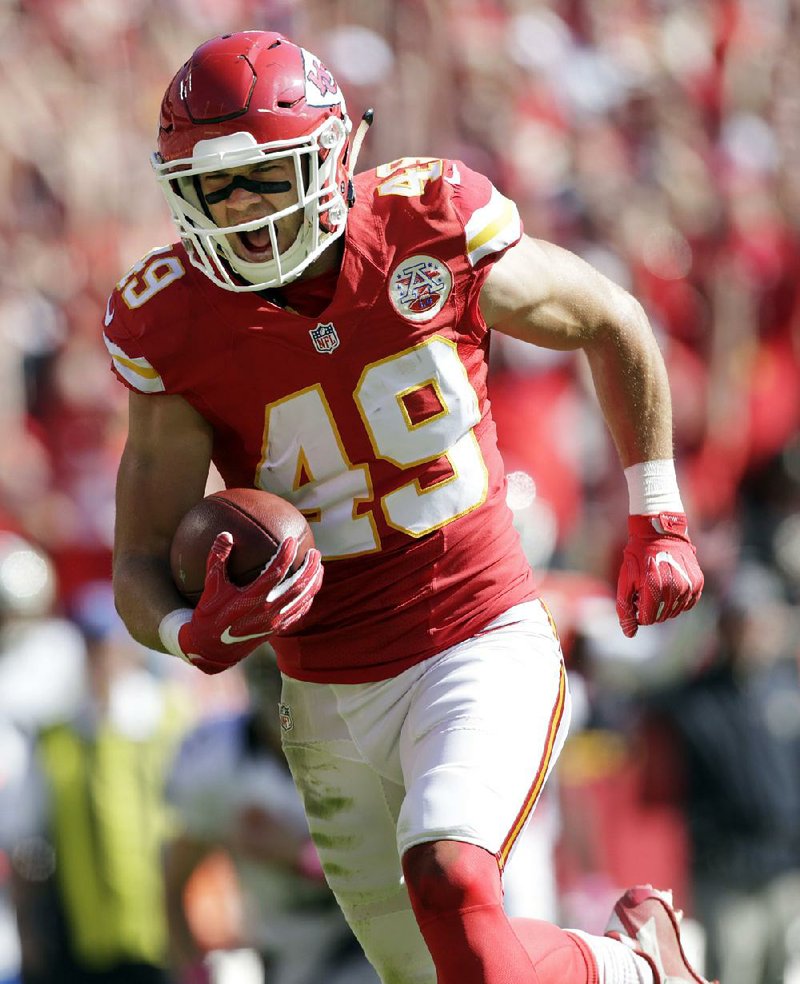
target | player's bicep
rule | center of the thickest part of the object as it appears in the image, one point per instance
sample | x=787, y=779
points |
x=541, y=293
x=162, y=473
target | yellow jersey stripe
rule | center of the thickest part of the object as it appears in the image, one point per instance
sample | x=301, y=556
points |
x=492, y=228
x=138, y=373
x=146, y=371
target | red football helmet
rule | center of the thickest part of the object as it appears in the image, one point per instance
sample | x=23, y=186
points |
x=240, y=99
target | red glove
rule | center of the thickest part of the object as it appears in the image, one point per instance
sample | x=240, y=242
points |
x=660, y=576
x=229, y=622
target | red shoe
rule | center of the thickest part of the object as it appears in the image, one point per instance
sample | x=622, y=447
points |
x=644, y=920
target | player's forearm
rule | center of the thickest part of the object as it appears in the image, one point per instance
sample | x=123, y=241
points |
x=162, y=474
x=144, y=593
x=631, y=383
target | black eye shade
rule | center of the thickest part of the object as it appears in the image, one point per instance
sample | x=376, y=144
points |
x=240, y=181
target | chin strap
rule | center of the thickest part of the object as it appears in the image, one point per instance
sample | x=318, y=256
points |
x=355, y=150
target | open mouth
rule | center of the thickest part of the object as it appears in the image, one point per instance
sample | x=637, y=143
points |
x=255, y=244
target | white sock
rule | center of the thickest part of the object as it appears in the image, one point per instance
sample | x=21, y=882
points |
x=616, y=963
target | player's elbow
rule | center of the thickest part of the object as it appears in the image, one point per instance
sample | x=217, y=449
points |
x=626, y=328
x=134, y=579
x=630, y=317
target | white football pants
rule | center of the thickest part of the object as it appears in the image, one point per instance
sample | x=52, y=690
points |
x=457, y=747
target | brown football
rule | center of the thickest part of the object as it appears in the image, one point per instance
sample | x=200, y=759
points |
x=258, y=522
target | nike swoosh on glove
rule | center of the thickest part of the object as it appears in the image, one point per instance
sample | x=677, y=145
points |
x=660, y=576
x=229, y=622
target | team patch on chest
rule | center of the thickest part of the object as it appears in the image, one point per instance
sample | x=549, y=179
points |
x=419, y=287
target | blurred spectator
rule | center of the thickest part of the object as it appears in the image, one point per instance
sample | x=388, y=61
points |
x=727, y=743
x=37, y=646
x=84, y=822
x=34, y=646
x=232, y=790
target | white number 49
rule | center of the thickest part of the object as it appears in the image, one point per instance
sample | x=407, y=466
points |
x=304, y=458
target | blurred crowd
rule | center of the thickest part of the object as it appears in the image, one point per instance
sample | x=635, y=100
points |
x=658, y=139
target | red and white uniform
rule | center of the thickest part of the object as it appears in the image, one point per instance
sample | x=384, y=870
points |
x=372, y=418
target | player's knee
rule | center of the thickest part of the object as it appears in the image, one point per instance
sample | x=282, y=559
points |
x=445, y=876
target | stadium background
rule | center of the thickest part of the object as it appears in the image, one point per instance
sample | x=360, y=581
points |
x=659, y=139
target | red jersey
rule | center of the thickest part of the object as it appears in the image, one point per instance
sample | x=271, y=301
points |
x=373, y=418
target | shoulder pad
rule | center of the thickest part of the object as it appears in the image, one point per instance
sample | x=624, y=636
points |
x=459, y=202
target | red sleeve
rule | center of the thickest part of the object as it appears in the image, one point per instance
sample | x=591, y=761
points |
x=148, y=297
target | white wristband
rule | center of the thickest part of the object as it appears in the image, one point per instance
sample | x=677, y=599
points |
x=169, y=628
x=653, y=488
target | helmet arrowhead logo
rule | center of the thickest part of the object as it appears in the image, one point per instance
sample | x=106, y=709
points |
x=322, y=79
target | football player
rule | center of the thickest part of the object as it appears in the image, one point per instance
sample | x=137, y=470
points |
x=323, y=335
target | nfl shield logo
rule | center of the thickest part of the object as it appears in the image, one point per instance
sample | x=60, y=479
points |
x=285, y=717
x=324, y=338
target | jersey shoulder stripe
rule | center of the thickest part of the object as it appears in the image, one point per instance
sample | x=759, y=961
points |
x=137, y=372
x=492, y=228
x=420, y=196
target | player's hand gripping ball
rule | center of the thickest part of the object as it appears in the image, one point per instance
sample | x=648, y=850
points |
x=258, y=522
x=245, y=559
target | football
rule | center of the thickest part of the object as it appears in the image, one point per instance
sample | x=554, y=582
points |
x=258, y=522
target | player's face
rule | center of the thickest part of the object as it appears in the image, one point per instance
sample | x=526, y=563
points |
x=243, y=204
